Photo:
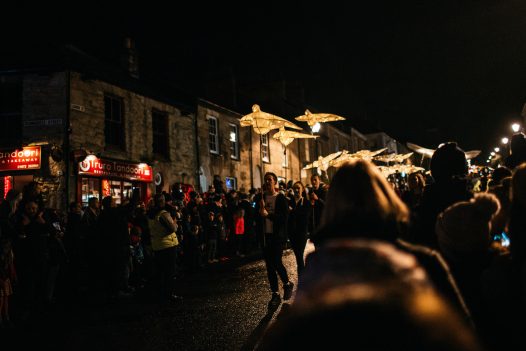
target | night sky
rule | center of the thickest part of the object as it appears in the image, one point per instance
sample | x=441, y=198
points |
x=424, y=72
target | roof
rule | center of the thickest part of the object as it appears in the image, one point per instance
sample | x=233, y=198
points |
x=55, y=58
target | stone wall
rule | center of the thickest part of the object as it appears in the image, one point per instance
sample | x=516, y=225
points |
x=88, y=130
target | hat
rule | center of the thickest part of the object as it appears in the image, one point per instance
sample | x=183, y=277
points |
x=447, y=161
x=465, y=226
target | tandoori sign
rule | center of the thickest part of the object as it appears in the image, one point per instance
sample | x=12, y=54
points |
x=21, y=159
x=117, y=169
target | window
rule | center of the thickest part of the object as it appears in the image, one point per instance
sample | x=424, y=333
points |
x=160, y=133
x=265, y=151
x=10, y=112
x=285, y=162
x=306, y=142
x=231, y=183
x=234, y=141
x=213, y=138
x=114, y=121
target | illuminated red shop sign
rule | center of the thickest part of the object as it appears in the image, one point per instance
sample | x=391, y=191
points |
x=21, y=159
x=105, y=168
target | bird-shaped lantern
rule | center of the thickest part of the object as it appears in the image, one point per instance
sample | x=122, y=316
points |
x=263, y=122
x=313, y=118
x=323, y=163
x=287, y=136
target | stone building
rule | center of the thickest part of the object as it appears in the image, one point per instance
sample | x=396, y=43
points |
x=237, y=155
x=100, y=131
x=89, y=129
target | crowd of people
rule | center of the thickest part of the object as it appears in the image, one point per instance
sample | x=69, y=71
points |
x=437, y=261
x=108, y=252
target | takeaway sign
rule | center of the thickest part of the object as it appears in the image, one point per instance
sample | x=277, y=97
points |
x=95, y=166
x=26, y=158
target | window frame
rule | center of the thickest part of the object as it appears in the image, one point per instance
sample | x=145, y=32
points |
x=235, y=183
x=216, y=135
x=266, y=146
x=121, y=144
x=234, y=145
x=165, y=122
x=285, y=160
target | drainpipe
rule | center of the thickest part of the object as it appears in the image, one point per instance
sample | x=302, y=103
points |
x=299, y=159
x=67, y=135
x=197, y=158
x=250, y=158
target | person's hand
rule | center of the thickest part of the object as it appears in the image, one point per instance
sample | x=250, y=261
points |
x=40, y=219
x=313, y=196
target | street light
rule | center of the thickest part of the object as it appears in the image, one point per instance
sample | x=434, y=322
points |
x=515, y=127
x=497, y=149
x=505, y=140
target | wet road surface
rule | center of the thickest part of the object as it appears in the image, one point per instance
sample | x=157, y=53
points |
x=225, y=307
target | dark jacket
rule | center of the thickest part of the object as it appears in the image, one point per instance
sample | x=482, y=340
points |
x=279, y=219
x=431, y=260
x=298, y=219
x=437, y=197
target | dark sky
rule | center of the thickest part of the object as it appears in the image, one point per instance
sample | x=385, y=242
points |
x=422, y=71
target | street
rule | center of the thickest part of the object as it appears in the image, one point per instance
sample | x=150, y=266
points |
x=224, y=308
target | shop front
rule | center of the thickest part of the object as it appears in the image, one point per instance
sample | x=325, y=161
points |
x=18, y=167
x=98, y=177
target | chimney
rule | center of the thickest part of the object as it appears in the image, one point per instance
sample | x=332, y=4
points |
x=129, y=58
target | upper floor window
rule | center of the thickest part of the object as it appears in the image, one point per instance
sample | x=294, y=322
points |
x=234, y=141
x=114, y=121
x=160, y=133
x=10, y=112
x=265, y=151
x=285, y=162
x=306, y=144
x=213, y=135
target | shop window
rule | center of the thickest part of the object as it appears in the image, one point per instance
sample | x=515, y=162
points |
x=231, y=183
x=116, y=191
x=90, y=188
x=127, y=189
x=114, y=121
x=160, y=133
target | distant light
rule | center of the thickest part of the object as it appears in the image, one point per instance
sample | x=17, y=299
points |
x=492, y=153
x=497, y=149
x=316, y=128
x=515, y=127
x=487, y=161
x=504, y=140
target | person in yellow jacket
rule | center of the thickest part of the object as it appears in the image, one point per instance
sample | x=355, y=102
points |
x=164, y=241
